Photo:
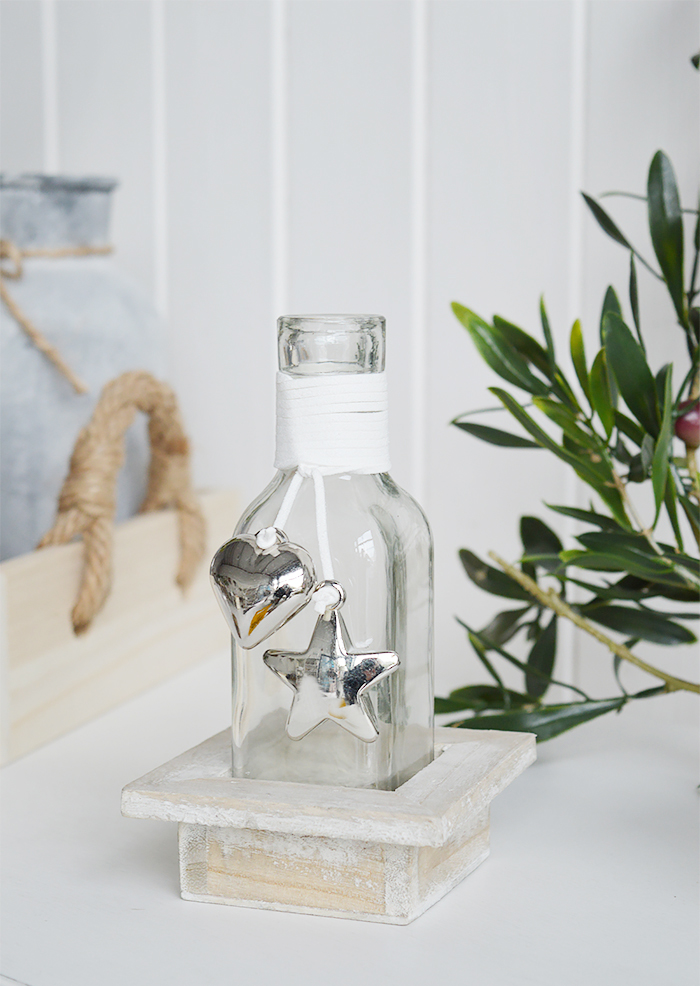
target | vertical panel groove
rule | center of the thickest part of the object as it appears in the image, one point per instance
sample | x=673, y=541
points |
x=159, y=157
x=49, y=85
x=280, y=159
x=419, y=235
x=568, y=656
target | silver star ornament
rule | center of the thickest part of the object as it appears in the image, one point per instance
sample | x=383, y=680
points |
x=329, y=680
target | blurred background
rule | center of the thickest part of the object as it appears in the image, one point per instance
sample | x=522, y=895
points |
x=388, y=156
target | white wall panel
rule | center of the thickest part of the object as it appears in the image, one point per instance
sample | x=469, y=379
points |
x=21, y=113
x=350, y=176
x=500, y=192
x=222, y=331
x=104, y=115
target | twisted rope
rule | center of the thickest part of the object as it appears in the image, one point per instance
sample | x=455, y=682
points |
x=9, y=251
x=87, y=502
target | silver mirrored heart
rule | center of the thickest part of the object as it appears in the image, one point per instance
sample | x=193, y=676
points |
x=260, y=585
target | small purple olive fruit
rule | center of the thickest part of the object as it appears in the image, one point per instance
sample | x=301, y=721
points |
x=688, y=425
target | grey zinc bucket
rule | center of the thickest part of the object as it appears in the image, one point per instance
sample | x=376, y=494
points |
x=101, y=324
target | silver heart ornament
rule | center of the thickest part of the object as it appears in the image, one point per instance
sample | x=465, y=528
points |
x=260, y=581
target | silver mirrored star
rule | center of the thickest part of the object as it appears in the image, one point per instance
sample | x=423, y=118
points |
x=329, y=680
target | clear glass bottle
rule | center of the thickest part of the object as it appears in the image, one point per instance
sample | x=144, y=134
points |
x=381, y=550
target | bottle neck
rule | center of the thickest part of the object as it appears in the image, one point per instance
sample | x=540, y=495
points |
x=333, y=423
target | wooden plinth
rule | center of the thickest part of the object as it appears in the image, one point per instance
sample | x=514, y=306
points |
x=341, y=852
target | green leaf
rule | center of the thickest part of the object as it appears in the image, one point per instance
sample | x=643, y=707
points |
x=634, y=301
x=660, y=384
x=578, y=357
x=615, y=591
x=584, y=468
x=442, y=705
x=491, y=579
x=666, y=228
x=544, y=318
x=672, y=511
x=639, y=623
x=605, y=222
x=497, y=353
x=504, y=625
x=546, y=722
x=533, y=352
x=519, y=664
x=659, y=465
x=649, y=567
x=611, y=303
x=649, y=589
x=691, y=511
x=601, y=397
x=565, y=418
x=529, y=348
x=588, y=516
x=541, y=658
x=478, y=698
x=629, y=366
x=538, y=539
x=480, y=651
x=494, y=436
x=629, y=428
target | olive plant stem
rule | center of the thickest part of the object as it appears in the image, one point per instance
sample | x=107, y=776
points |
x=553, y=601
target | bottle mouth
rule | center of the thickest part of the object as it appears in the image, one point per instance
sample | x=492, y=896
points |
x=333, y=343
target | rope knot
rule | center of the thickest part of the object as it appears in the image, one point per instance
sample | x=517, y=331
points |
x=87, y=501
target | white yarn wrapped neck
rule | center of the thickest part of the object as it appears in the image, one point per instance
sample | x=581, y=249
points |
x=326, y=425
x=334, y=423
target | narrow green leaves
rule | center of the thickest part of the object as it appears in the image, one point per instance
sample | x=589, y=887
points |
x=659, y=465
x=588, y=516
x=547, y=721
x=491, y=579
x=634, y=300
x=627, y=361
x=544, y=318
x=578, y=358
x=504, y=625
x=605, y=222
x=538, y=539
x=494, y=436
x=639, y=623
x=477, y=698
x=496, y=351
x=594, y=474
x=666, y=228
x=601, y=396
x=541, y=658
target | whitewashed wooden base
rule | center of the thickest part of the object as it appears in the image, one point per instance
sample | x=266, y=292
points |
x=340, y=852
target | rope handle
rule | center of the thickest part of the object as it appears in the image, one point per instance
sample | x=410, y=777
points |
x=87, y=502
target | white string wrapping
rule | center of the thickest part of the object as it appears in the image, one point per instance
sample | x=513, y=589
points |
x=336, y=423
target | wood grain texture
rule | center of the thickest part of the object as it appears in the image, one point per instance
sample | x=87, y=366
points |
x=341, y=852
x=52, y=681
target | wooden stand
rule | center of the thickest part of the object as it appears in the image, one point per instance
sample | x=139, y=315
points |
x=340, y=852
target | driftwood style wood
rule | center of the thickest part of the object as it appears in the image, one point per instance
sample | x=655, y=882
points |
x=341, y=852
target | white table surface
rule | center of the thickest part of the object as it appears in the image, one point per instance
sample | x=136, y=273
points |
x=592, y=878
